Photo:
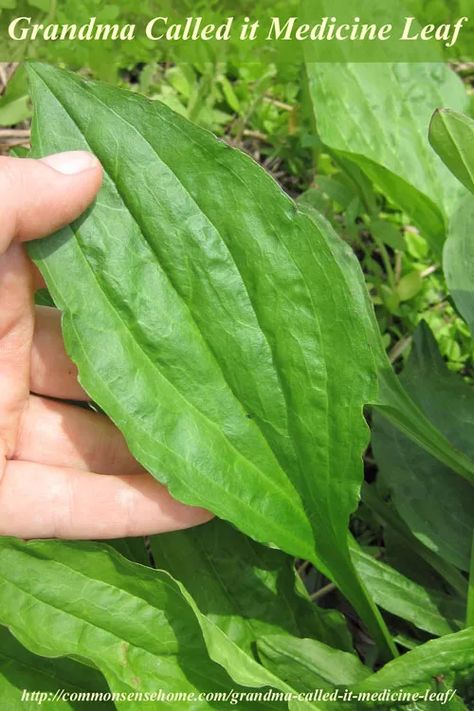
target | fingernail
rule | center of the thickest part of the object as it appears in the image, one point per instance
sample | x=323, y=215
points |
x=71, y=162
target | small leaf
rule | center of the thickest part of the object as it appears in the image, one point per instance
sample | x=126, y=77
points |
x=409, y=286
x=390, y=298
x=389, y=234
x=452, y=135
x=336, y=190
x=229, y=93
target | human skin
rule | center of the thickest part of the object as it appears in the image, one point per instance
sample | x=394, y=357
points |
x=65, y=471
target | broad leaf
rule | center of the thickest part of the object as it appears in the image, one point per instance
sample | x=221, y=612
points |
x=360, y=94
x=23, y=674
x=307, y=664
x=458, y=261
x=429, y=610
x=416, y=669
x=435, y=503
x=395, y=404
x=420, y=670
x=225, y=332
x=137, y=625
x=406, y=540
x=470, y=596
x=451, y=135
x=247, y=589
x=383, y=112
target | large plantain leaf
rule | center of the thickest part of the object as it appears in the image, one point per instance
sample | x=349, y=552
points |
x=226, y=333
x=21, y=671
x=435, y=503
x=383, y=112
x=137, y=625
x=247, y=589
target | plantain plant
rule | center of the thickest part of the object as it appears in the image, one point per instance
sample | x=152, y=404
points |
x=229, y=335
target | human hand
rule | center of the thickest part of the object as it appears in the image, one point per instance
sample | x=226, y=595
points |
x=65, y=471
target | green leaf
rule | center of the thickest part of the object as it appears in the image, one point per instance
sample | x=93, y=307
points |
x=388, y=233
x=306, y=664
x=229, y=93
x=435, y=503
x=409, y=286
x=15, y=102
x=22, y=673
x=43, y=298
x=451, y=135
x=394, y=403
x=383, y=113
x=470, y=595
x=19, y=152
x=429, y=610
x=135, y=624
x=310, y=666
x=458, y=259
x=132, y=548
x=235, y=352
x=405, y=539
x=416, y=669
x=44, y=5
x=336, y=190
x=247, y=589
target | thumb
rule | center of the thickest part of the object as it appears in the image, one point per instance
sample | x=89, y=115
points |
x=41, y=196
